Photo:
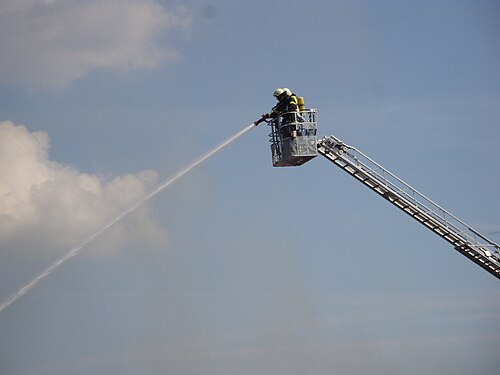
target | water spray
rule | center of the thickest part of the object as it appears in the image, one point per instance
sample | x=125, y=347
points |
x=166, y=183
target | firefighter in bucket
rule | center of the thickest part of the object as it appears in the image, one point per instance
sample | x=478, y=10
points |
x=287, y=102
x=293, y=129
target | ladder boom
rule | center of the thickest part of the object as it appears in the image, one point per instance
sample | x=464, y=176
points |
x=464, y=238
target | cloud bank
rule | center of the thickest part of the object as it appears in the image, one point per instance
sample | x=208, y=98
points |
x=47, y=206
x=50, y=43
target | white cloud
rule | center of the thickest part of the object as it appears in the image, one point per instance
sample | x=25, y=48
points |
x=51, y=43
x=46, y=205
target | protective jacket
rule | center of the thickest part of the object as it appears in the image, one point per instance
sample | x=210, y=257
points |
x=286, y=104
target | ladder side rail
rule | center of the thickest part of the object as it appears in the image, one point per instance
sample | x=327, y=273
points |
x=412, y=195
x=476, y=254
x=402, y=188
x=397, y=183
x=403, y=196
x=436, y=211
x=420, y=201
x=431, y=207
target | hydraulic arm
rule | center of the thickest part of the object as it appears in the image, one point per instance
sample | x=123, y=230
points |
x=464, y=239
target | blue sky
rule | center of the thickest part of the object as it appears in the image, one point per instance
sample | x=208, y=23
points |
x=242, y=268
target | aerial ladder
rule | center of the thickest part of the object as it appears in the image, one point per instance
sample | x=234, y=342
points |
x=294, y=141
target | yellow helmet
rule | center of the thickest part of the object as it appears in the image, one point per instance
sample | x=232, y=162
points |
x=278, y=92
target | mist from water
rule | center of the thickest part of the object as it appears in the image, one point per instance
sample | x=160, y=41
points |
x=162, y=186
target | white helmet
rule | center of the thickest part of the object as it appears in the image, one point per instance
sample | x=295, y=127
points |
x=287, y=91
x=278, y=92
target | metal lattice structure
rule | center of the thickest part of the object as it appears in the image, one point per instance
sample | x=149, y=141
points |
x=293, y=138
x=464, y=239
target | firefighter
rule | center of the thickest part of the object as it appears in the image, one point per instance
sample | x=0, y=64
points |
x=298, y=99
x=285, y=108
x=283, y=112
x=286, y=103
x=289, y=93
x=300, y=107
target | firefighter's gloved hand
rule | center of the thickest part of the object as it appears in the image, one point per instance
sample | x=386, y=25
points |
x=262, y=119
